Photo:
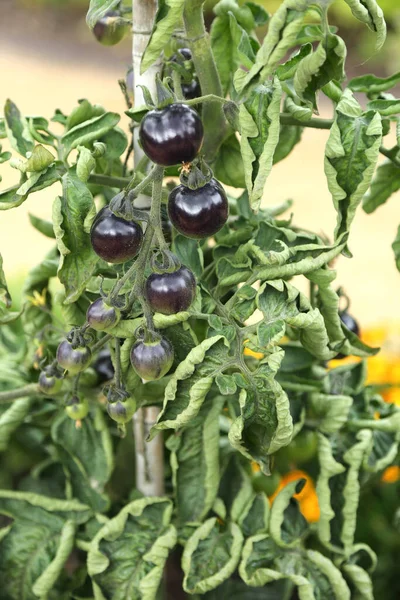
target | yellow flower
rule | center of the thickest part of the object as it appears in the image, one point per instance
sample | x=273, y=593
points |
x=307, y=498
x=391, y=474
x=256, y=355
x=37, y=299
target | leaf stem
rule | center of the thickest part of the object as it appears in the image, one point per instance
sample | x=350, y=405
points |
x=29, y=390
x=207, y=73
x=106, y=180
x=117, y=363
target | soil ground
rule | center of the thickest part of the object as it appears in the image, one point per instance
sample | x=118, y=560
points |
x=43, y=67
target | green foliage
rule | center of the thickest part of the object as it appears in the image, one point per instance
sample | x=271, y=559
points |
x=249, y=393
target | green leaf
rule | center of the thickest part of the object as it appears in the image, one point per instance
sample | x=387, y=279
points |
x=17, y=194
x=236, y=589
x=127, y=556
x=195, y=463
x=85, y=165
x=72, y=214
x=287, y=524
x=331, y=410
x=3, y=132
x=396, y=248
x=319, y=68
x=45, y=227
x=228, y=166
x=338, y=488
x=17, y=129
x=386, y=108
x=259, y=121
x=39, y=160
x=289, y=137
x=283, y=28
x=191, y=382
x=385, y=183
x=168, y=18
x=12, y=418
x=265, y=423
x=97, y=10
x=351, y=156
x=210, y=556
x=89, y=131
x=34, y=551
x=261, y=17
x=5, y=297
x=86, y=454
x=255, y=517
x=370, y=13
x=83, y=112
x=116, y=142
x=189, y=253
x=373, y=85
x=314, y=575
x=236, y=490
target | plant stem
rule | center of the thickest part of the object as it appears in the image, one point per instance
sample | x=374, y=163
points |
x=149, y=456
x=176, y=78
x=286, y=119
x=29, y=390
x=206, y=71
x=117, y=182
x=135, y=191
x=101, y=343
x=117, y=363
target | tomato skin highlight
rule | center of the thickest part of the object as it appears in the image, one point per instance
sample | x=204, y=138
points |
x=198, y=213
x=114, y=239
x=152, y=360
x=172, y=135
x=170, y=293
x=49, y=384
x=101, y=316
x=74, y=360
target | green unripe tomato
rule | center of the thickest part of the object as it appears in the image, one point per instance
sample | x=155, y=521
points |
x=302, y=448
x=49, y=384
x=122, y=411
x=101, y=316
x=265, y=483
x=74, y=360
x=76, y=408
x=110, y=29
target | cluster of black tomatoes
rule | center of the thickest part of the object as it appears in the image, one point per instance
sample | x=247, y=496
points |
x=170, y=136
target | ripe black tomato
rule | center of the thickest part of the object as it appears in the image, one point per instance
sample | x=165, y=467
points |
x=114, y=239
x=101, y=316
x=103, y=366
x=198, y=213
x=351, y=325
x=152, y=360
x=122, y=411
x=49, y=384
x=172, y=135
x=170, y=293
x=74, y=360
x=350, y=322
x=191, y=90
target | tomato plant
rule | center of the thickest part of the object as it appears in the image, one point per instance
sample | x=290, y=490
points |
x=165, y=393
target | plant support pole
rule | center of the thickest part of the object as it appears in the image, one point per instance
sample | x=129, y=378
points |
x=149, y=455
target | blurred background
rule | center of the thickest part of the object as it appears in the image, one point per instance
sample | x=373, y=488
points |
x=49, y=59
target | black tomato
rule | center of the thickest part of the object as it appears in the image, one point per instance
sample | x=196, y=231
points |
x=101, y=316
x=152, y=360
x=76, y=408
x=110, y=29
x=170, y=293
x=74, y=360
x=103, y=366
x=186, y=53
x=114, y=239
x=351, y=325
x=350, y=322
x=172, y=135
x=191, y=90
x=122, y=411
x=49, y=384
x=198, y=213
